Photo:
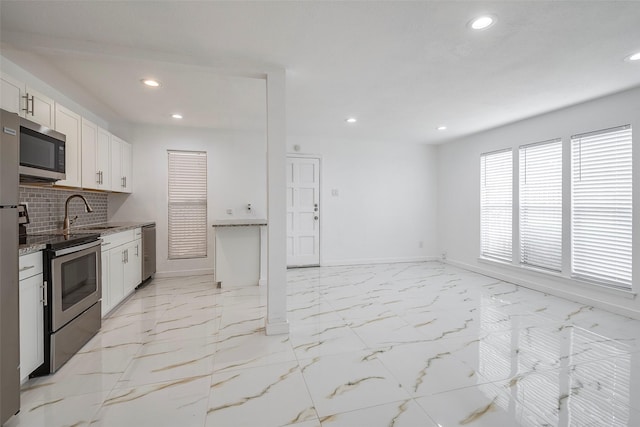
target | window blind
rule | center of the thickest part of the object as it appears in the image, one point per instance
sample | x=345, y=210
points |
x=496, y=171
x=187, y=204
x=541, y=205
x=601, y=206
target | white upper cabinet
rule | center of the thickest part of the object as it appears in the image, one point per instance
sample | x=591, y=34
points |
x=90, y=173
x=95, y=159
x=127, y=166
x=121, y=165
x=70, y=124
x=117, y=183
x=103, y=161
x=96, y=155
x=11, y=93
x=17, y=97
x=39, y=108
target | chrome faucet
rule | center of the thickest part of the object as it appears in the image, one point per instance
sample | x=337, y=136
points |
x=67, y=221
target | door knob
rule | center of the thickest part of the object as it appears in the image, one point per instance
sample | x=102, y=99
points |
x=315, y=217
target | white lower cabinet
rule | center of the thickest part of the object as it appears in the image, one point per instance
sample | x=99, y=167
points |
x=121, y=267
x=31, y=314
x=132, y=266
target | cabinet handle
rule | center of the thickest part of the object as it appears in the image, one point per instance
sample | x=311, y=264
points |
x=28, y=267
x=101, y=177
x=26, y=110
x=45, y=302
x=125, y=182
x=137, y=250
x=98, y=177
x=123, y=256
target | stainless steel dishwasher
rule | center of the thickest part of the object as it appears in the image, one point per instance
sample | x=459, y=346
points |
x=148, y=251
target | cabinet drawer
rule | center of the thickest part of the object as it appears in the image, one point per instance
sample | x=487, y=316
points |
x=111, y=241
x=30, y=265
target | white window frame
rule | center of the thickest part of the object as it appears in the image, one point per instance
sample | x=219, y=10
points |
x=566, y=274
x=187, y=204
x=540, y=188
x=496, y=195
x=602, y=245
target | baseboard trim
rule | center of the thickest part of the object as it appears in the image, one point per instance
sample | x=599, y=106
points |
x=608, y=306
x=183, y=273
x=347, y=262
x=276, y=328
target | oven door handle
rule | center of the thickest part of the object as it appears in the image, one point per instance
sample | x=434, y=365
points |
x=72, y=249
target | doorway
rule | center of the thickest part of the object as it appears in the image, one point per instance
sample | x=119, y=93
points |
x=303, y=211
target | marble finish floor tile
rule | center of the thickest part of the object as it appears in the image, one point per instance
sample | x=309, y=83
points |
x=345, y=382
x=406, y=413
x=273, y=395
x=410, y=344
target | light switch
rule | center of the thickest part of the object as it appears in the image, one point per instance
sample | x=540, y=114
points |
x=229, y=211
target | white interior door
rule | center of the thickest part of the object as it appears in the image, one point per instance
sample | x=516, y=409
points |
x=303, y=211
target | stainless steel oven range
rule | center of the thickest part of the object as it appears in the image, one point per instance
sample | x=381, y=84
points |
x=72, y=304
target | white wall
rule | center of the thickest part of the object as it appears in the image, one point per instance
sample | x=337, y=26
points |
x=385, y=204
x=236, y=176
x=459, y=193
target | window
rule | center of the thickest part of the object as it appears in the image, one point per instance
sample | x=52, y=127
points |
x=187, y=204
x=601, y=212
x=495, y=205
x=541, y=205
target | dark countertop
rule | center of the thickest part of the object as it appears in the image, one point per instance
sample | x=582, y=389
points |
x=240, y=222
x=103, y=229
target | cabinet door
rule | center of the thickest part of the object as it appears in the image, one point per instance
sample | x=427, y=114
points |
x=117, y=183
x=90, y=173
x=41, y=108
x=103, y=161
x=127, y=166
x=11, y=93
x=132, y=266
x=106, y=289
x=31, y=325
x=69, y=123
x=116, y=275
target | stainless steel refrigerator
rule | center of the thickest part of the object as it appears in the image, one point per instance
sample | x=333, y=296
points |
x=9, y=303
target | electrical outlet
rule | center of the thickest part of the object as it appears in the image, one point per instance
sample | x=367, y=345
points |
x=444, y=256
x=229, y=211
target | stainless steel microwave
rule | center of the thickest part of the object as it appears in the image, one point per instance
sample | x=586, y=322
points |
x=42, y=153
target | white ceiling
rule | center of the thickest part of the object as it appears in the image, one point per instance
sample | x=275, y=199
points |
x=402, y=68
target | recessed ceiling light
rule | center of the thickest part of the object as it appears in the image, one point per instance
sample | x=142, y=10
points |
x=634, y=57
x=482, y=22
x=351, y=120
x=442, y=128
x=150, y=82
x=176, y=116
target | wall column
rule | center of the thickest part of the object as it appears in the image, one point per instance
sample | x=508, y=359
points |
x=276, y=321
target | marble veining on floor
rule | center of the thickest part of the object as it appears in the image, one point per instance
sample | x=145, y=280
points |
x=413, y=344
